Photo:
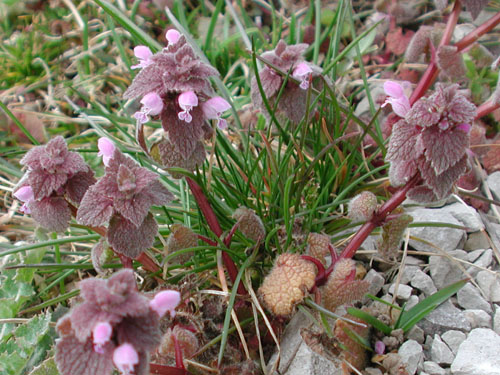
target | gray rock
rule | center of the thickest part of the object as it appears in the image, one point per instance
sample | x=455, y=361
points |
x=478, y=354
x=408, y=273
x=412, y=301
x=307, y=361
x=466, y=215
x=496, y=319
x=453, y=339
x=423, y=282
x=478, y=318
x=417, y=334
x=443, y=318
x=483, y=261
x=476, y=240
x=445, y=271
x=493, y=181
x=432, y=368
x=440, y=352
x=469, y=298
x=474, y=255
x=445, y=238
x=412, y=355
x=403, y=291
x=376, y=281
x=490, y=285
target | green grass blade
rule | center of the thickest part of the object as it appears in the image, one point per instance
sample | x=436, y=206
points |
x=374, y=322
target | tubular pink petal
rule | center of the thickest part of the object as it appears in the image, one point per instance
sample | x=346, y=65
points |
x=394, y=89
x=101, y=335
x=301, y=70
x=25, y=209
x=106, y=149
x=142, y=52
x=187, y=100
x=125, y=357
x=141, y=117
x=400, y=106
x=213, y=108
x=152, y=104
x=222, y=124
x=172, y=36
x=24, y=194
x=164, y=301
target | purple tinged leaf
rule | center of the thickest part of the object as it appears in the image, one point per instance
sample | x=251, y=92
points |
x=77, y=186
x=423, y=113
x=44, y=184
x=402, y=142
x=441, y=184
x=142, y=331
x=461, y=110
x=400, y=172
x=129, y=240
x=95, y=208
x=475, y=7
x=170, y=157
x=450, y=62
x=293, y=103
x=126, y=180
x=51, y=213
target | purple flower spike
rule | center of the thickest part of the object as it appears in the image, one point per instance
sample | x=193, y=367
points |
x=302, y=73
x=164, y=301
x=25, y=195
x=379, y=347
x=125, y=358
x=102, y=334
x=397, y=98
x=187, y=100
x=172, y=36
x=106, y=149
x=144, y=54
x=152, y=104
x=213, y=109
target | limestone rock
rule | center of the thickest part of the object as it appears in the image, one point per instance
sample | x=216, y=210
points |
x=469, y=298
x=412, y=355
x=478, y=354
x=445, y=271
x=478, y=318
x=453, y=339
x=440, y=352
x=493, y=182
x=443, y=318
x=466, y=215
x=423, y=282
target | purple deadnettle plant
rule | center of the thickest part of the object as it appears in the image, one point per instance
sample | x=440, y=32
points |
x=174, y=83
x=432, y=140
x=293, y=100
x=114, y=326
x=54, y=176
x=122, y=198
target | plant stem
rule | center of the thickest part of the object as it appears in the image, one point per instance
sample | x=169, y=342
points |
x=479, y=32
x=486, y=108
x=378, y=218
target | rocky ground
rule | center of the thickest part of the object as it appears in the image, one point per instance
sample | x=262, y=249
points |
x=462, y=335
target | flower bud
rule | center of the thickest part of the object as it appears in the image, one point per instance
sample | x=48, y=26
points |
x=362, y=206
x=249, y=223
x=166, y=300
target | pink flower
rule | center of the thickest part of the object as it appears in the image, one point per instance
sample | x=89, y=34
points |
x=25, y=195
x=101, y=334
x=106, y=149
x=144, y=54
x=213, y=109
x=172, y=36
x=379, y=347
x=187, y=100
x=152, y=104
x=397, y=98
x=125, y=358
x=302, y=72
x=164, y=301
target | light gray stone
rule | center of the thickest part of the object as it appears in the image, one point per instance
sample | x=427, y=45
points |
x=453, y=339
x=483, y=261
x=469, y=298
x=476, y=240
x=423, y=282
x=417, y=334
x=307, y=361
x=478, y=354
x=496, y=320
x=412, y=301
x=432, y=368
x=376, y=281
x=493, y=182
x=466, y=215
x=403, y=291
x=408, y=273
x=440, y=352
x=445, y=271
x=412, y=355
x=443, y=318
x=445, y=238
x=474, y=255
x=478, y=318
x=490, y=285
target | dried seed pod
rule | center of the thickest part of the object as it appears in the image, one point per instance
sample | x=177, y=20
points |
x=250, y=224
x=362, y=206
x=180, y=238
x=287, y=284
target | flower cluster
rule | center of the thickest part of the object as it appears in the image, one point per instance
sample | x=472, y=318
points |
x=293, y=99
x=115, y=326
x=54, y=174
x=432, y=140
x=122, y=198
x=174, y=84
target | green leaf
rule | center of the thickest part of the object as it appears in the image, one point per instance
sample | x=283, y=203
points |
x=374, y=322
x=424, y=307
x=47, y=367
x=30, y=333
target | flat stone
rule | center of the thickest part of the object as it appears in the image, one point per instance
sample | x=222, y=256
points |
x=307, y=361
x=496, y=320
x=416, y=333
x=443, y=318
x=476, y=240
x=403, y=291
x=432, y=368
x=412, y=301
x=469, y=297
x=376, y=281
x=474, y=255
x=443, y=237
x=493, y=181
x=483, y=261
x=423, y=282
x=466, y=215
x=478, y=354
x=478, y=318
x=408, y=273
x=440, y=352
x=489, y=284
x=453, y=339
x=445, y=271
x=412, y=355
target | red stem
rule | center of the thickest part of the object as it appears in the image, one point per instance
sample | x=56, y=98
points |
x=157, y=369
x=179, y=363
x=321, y=269
x=486, y=108
x=389, y=206
x=207, y=240
x=479, y=32
x=214, y=225
x=229, y=237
